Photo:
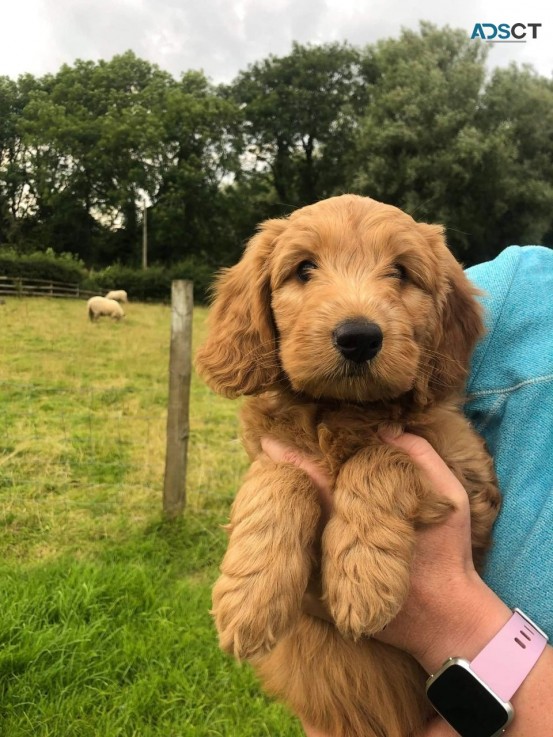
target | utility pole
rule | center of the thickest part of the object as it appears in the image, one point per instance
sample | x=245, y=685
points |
x=144, y=235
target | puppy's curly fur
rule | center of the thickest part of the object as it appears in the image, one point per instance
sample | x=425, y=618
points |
x=347, y=260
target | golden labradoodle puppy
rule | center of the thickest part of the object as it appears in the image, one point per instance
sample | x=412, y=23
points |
x=342, y=320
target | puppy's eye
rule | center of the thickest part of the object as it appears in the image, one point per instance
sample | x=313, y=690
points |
x=305, y=270
x=398, y=271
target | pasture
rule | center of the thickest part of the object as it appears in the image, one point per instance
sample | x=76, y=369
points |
x=104, y=608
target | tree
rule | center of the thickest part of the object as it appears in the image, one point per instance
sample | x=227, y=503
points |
x=418, y=144
x=14, y=198
x=299, y=113
x=105, y=137
x=413, y=121
x=519, y=103
x=94, y=139
x=439, y=141
x=199, y=159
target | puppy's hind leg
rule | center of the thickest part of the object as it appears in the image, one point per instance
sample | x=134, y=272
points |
x=268, y=561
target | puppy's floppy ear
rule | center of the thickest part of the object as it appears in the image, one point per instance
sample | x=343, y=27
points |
x=460, y=323
x=240, y=353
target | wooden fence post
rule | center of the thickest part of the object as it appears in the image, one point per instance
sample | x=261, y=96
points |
x=178, y=426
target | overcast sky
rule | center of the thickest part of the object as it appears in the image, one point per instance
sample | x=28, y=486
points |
x=222, y=37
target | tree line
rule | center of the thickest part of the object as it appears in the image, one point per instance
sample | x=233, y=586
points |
x=416, y=121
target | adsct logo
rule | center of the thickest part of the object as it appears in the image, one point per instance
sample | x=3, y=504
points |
x=518, y=33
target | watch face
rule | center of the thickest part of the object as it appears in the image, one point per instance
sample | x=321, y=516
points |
x=464, y=702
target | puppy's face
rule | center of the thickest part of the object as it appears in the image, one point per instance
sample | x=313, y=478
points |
x=351, y=299
x=354, y=300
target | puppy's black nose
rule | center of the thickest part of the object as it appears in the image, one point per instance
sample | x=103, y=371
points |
x=358, y=340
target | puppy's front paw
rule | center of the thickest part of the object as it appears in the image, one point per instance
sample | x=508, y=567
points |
x=249, y=620
x=365, y=585
x=360, y=607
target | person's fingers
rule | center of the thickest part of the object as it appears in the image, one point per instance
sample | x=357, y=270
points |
x=281, y=453
x=443, y=481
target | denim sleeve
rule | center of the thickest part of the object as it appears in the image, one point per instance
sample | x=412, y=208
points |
x=510, y=402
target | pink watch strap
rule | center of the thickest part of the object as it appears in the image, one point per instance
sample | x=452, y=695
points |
x=508, y=658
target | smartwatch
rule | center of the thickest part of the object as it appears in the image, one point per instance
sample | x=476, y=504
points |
x=474, y=697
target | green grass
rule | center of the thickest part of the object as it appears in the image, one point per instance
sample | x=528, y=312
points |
x=104, y=607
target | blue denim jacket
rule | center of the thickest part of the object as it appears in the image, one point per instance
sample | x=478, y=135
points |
x=510, y=402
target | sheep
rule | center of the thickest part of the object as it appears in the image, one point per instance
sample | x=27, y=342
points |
x=119, y=295
x=100, y=306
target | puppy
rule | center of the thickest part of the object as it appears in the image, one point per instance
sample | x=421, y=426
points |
x=344, y=319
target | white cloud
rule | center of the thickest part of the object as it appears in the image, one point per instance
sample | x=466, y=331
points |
x=223, y=36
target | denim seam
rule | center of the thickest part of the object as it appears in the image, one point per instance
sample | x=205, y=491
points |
x=490, y=414
x=509, y=390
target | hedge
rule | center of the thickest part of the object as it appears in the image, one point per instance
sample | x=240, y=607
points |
x=154, y=283
x=149, y=285
x=41, y=265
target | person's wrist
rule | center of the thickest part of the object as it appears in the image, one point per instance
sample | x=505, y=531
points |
x=471, y=614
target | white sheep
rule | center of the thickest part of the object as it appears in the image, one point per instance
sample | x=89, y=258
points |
x=119, y=295
x=103, y=307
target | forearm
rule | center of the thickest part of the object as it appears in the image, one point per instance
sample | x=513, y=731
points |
x=533, y=714
x=464, y=634
x=460, y=622
x=475, y=615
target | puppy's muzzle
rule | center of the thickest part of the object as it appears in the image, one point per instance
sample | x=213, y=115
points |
x=358, y=340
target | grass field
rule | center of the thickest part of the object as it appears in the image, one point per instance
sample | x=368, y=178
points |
x=104, y=623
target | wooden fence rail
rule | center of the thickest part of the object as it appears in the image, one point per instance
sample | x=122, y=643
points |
x=16, y=287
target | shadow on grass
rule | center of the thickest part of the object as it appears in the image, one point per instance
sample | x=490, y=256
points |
x=181, y=547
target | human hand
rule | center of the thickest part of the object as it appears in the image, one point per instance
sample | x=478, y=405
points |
x=442, y=569
x=281, y=453
x=449, y=610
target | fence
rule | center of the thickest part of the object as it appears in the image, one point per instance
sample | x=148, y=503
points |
x=14, y=286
